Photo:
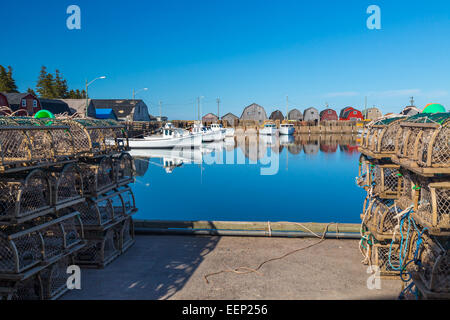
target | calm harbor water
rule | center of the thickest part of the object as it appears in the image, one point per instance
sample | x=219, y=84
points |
x=246, y=178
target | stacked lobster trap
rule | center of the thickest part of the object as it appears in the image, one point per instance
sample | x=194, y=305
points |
x=53, y=174
x=405, y=169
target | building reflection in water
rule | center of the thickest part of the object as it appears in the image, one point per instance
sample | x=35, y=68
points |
x=252, y=147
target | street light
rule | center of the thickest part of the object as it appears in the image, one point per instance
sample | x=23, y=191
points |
x=87, y=85
x=135, y=92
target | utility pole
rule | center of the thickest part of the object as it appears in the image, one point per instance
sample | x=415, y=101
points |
x=287, y=108
x=133, y=94
x=365, y=106
x=198, y=108
x=218, y=109
x=160, y=110
x=412, y=101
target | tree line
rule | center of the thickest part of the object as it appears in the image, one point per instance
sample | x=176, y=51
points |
x=48, y=85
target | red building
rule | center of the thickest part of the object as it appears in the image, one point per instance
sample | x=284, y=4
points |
x=328, y=115
x=350, y=113
x=3, y=105
x=23, y=101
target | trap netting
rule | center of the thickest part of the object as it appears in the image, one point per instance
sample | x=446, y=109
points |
x=42, y=240
x=431, y=262
x=54, y=278
x=29, y=289
x=387, y=181
x=24, y=196
x=434, y=207
x=126, y=234
x=425, y=141
x=67, y=186
x=410, y=190
x=364, y=172
x=379, y=137
x=98, y=175
x=101, y=251
x=94, y=137
x=124, y=168
x=27, y=141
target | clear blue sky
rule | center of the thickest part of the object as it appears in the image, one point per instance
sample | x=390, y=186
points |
x=241, y=51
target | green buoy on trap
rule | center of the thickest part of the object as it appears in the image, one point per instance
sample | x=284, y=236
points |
x=434, y=108
x=45, y=114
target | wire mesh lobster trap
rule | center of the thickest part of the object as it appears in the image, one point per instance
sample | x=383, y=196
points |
x=433, y=209
x=126, y=234
x=379, y=138
x=96, y=137
x=123, y=202
x=24, y=196
x=387, y=181
x=410, y=191
x=54, y=278
x=28, y=142
x=366, y=166
x=372, y=207
x=98, y=175
x=386, y=257
x=423, y=144
x=124, y=168
x=432, y=263
x=28, y=289
x=42, y=241
x=101, y=251
x=67, y=186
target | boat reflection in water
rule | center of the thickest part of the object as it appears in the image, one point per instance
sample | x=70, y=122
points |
x=252, y=147
x=169, y=158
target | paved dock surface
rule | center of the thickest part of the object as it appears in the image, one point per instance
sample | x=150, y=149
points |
x=173, y=267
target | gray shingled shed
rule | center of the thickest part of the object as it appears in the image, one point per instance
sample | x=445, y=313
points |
x=254, y=112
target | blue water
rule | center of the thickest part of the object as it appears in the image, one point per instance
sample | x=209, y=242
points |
x=307, y=181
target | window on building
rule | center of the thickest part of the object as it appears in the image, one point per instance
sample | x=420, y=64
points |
x=34, y=103
x=24, y=103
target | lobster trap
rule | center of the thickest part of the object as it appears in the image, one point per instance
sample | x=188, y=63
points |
x=379, y=138
x=433, y=209
x=432, y=264
x=410, y=191
x=124, y=169
x=27, y=142
x=28, y=289
x=100, y=250
x=386, y=257
x=126, y=234
x=99, y=214
x=98, y=175
x=423, y=144
x=41, y=242
x=366, y=167
x=123, y=202
x=24, y=196
x=67, y=186
x=54, y=278
x=97, y=137
x=387, y=181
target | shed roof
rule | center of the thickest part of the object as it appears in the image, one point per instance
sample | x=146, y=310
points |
x=55, y=106
x=122, y=108
x=229, y=114
x=15, y=98
x=77, y=105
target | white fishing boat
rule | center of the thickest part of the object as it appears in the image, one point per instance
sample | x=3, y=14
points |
x=219, y=131
x=287, y=129
x=269, y=129
x=170, y=137
x=207, y=134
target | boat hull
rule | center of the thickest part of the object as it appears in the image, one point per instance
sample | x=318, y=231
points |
x=193, y=141
x=287, y=130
